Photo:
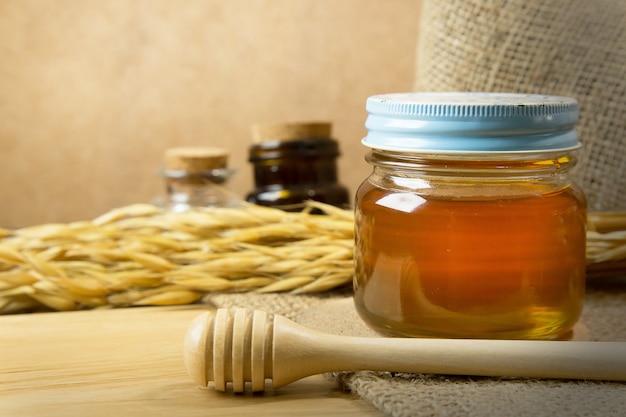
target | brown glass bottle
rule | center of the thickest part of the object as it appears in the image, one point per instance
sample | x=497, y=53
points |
x=293, y=163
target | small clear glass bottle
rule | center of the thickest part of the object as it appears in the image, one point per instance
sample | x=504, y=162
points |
x=469, y=225
x=295, y=162
x=196, y=177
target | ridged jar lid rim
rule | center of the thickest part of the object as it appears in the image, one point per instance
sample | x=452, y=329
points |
x=471, y=122
x=471, y=104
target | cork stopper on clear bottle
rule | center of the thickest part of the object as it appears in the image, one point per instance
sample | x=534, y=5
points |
x=197, y=177
x=293, y=163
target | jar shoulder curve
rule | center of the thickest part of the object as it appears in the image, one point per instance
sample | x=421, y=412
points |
x=567, y=198
x=469, y=186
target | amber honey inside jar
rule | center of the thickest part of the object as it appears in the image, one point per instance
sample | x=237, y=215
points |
x=480, y=243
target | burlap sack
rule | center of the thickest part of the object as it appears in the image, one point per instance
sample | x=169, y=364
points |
x=574, y=48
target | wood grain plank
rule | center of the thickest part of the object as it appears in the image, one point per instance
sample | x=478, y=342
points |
x=129, y=362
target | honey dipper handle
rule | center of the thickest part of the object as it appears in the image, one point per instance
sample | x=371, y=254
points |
x=304, y=352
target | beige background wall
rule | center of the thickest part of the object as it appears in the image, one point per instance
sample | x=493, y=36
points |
x=92, y=92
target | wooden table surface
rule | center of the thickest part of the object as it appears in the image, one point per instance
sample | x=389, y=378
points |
x=128, y=362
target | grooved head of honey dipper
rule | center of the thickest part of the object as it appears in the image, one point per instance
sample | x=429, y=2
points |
x=197, y=348
x=231, y=348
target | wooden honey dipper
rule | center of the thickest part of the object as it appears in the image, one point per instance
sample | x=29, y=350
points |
x=241, y=346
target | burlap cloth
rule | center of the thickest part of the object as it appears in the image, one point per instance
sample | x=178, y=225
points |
x=575, y=48
x=604, y=318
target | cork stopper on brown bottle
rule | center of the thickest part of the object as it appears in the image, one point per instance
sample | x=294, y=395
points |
x=291, y=131
x=195, y=159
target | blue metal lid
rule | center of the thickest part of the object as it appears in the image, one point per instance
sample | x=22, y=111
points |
x=471, y=122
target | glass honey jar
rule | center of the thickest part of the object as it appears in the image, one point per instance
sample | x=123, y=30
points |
x=469, y=225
